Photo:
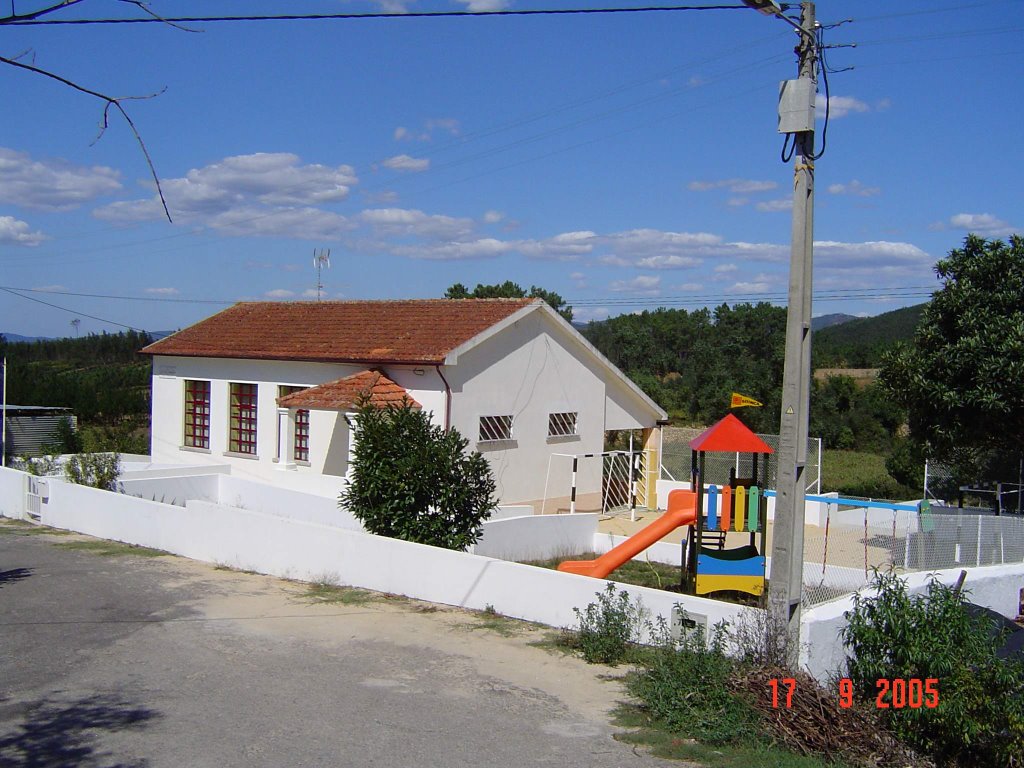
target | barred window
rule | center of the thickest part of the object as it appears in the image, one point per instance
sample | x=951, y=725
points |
x=243, y=419
x=562, y=424
x=197, y=414
x=495, y=428
x=301, y=436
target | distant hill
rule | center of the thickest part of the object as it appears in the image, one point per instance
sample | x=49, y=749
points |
x=827, y=321
x=12, y=337
x=860, y=343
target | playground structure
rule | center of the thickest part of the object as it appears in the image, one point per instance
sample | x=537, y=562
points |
x=741, y=506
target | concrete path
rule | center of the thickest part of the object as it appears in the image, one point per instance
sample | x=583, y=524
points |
x=134, y=661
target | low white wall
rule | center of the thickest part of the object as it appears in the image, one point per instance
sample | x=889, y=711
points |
x=822, y=653
x=140, y=471
x=537, y=537
x=12, y=493
x=505, y=511
x=173, y=490
x=295, y=505
x=293, y=549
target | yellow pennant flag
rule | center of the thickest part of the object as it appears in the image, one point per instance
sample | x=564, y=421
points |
x=742, y=401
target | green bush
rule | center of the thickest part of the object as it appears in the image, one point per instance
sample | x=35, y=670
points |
x=97, y=470
x=979, y=720
x=686, y=686
x=413, y=480
x=610, y=628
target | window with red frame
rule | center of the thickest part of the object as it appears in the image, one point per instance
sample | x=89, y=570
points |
x=197, y=414
x=242, y=438
x=301, y=436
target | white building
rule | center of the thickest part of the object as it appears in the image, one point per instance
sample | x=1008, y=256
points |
x=265, y=387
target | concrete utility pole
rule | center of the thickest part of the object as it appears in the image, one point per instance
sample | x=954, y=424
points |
x=786, y=584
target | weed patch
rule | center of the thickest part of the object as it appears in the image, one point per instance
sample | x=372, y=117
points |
x=320, y=593
x=105, y=548
x=22, y=528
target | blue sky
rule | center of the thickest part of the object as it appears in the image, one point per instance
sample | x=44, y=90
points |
x=626, y=161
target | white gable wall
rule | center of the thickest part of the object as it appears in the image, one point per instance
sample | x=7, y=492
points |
x=530, y=369
x=329, y=432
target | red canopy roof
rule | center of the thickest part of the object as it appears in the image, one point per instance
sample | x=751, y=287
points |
x=730, y=435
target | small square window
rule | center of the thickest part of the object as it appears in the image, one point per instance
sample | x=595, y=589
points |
x=495, y=428
x=562, y=424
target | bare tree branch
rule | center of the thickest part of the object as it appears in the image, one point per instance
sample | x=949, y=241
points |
x=146, y=9
x=110, y=102
x=37, y=14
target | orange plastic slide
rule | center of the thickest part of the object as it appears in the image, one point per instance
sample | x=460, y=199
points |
x=682, y=510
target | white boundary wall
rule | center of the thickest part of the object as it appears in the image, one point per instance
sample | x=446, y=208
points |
x=537, y=537
x=297, y=549
x=301, y=550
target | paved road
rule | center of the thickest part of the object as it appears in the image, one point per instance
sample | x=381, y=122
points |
x=131, y=661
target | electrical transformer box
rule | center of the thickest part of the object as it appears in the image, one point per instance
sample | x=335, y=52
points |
x=796, y=105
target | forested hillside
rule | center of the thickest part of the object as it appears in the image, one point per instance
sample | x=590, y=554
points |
x=860, y=343
x=690, y=362
x=102, y=377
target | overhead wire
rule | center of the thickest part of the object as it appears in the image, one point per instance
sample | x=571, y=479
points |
x=366, y=16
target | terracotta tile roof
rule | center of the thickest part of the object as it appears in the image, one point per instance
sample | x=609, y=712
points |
x=344, y=394
x=413, y=331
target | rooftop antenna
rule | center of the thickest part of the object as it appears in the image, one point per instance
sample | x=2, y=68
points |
x=321, y=259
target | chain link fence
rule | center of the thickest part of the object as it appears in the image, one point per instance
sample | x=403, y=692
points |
x=675, y=460
x=841, y=559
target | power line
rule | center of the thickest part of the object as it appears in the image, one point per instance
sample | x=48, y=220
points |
x=73, y=312
x=361, y=16
x=167, y=299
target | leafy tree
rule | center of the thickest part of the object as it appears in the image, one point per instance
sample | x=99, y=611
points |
x=66, y=438
x=979, y=720
x=962, y=380
x=510, y=290
x=413, y=480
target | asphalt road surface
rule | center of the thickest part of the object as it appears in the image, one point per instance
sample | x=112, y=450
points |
x=122, y=660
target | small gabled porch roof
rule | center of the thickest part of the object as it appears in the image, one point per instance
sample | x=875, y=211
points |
x=346, y=394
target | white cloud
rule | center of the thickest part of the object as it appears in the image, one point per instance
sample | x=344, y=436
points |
x=407, y=163
x=309, y=293
x=484, y=5
x=52, y=185
x=493, y=217
x=982, y=223
x=412, y=222
x=724, y=268
x=668, y=262
x=400, y=133
x=645, y=285
x=840, y=106
x=300, y=223
x=447, y=124
x=761, y=283
x=853, y=188
x=162, y=291
x=587, y=313
x=16, y=232
x=690, y=287
x=279, y=293
x=737, y=202
x=774, y=206
x=736, y=186
x=484, y=248
x=262, y=194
